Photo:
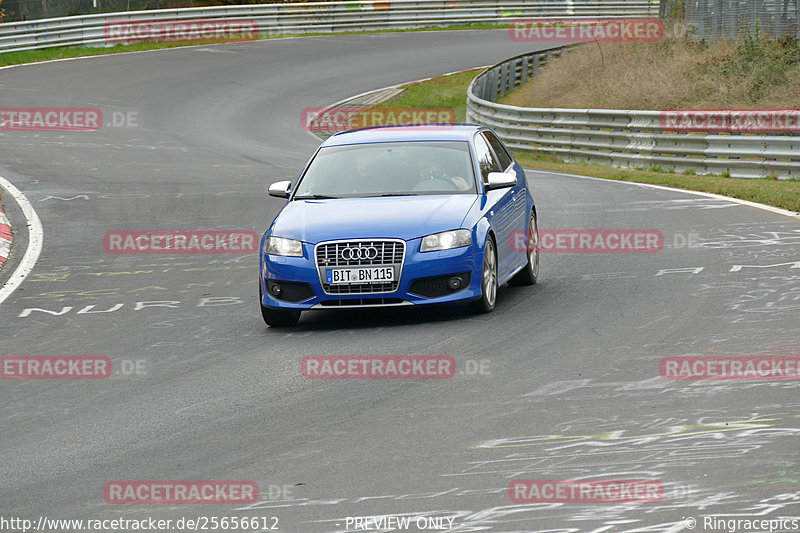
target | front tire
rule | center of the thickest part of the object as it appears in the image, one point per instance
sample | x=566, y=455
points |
x=278, y=317
x=529, y=274
x=488, y=299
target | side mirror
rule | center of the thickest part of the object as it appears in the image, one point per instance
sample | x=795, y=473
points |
x=281, y=189
x=500, y=180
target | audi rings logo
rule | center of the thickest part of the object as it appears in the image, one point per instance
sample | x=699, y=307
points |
x=352, y=253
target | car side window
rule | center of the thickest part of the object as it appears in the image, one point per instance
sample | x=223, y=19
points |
x=499, y=150
x=486, y=159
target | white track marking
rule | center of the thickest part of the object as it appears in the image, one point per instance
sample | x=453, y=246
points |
x=765, y=207
x=35, y=240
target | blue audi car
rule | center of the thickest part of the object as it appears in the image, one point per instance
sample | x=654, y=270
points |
x=393, y=216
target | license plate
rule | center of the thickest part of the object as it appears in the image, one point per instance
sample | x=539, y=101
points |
x=360, y=275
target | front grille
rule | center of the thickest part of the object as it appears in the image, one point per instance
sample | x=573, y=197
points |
x=290, y=291
x=438, y=286
x=389, y=253
x=360, y=253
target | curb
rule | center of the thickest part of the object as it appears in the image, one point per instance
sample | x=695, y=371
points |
x=5, y=237
x=35, y=241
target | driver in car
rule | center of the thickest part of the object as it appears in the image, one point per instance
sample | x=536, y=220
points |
x=433, y=171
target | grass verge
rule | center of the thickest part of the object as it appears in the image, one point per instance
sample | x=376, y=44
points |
x=449, y=91
x=676, y=73
x=440, y=92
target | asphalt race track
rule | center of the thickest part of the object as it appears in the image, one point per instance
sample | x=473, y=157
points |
x=561, y=381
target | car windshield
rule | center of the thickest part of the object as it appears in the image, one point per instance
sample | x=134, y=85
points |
x=389, y=169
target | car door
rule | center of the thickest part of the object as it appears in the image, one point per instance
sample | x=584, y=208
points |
x=501, y=205
x=520, y=194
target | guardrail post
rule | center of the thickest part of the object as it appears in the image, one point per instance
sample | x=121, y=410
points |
x=504, y=79
x=493, y=82
x=524, y=74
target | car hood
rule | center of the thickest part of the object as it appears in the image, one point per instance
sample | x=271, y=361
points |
x=402, y=217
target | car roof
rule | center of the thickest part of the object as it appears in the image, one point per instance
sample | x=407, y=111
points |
x=428, y=132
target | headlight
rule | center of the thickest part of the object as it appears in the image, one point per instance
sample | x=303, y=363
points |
x=446, y=240
x=281, y=246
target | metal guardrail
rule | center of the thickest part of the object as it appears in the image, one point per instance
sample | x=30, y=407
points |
x=710, y=20
x=317, y=17
x=620, y=137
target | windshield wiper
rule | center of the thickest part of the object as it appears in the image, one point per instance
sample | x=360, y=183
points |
x=315, y=197
x=391, y=194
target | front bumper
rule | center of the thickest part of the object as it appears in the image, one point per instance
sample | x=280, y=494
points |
x=466, y=262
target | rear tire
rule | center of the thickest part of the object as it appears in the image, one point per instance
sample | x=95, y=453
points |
x=529, y=274
x=488, y=299
x=278, y=317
